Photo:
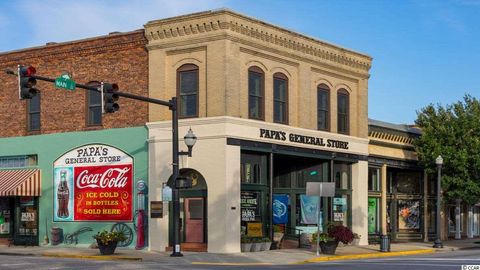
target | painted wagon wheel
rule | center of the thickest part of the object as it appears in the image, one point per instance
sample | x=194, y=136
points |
x=126, y=230
x=68, y=239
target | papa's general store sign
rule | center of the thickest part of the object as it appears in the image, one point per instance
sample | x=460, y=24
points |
x=93, y=183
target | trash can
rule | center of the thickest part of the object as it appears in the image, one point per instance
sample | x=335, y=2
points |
x=385, y=243
x=57, y=235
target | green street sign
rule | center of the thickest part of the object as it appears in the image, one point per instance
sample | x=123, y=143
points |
x=65, y=82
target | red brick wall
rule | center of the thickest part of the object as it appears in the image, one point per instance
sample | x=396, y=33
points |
x=118, y=58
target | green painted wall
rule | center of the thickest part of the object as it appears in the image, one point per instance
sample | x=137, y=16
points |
x=50, y=147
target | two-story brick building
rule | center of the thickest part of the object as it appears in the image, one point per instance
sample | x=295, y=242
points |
x=61, y=135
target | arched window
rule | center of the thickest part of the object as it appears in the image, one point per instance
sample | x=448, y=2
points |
x=280, y=98
x=33, y=113
x=256, y=85
x=323, y=107
x=187, y=90
x=343, y=110
x=94, y=105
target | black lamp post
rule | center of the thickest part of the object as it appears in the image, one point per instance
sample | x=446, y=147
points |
x=190, y=140
x=439, y=162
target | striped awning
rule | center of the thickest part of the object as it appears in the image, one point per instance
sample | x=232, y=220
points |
x=20, y=183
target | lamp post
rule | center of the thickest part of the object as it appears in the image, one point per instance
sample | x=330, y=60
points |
x=439, y=162
x=190, y=140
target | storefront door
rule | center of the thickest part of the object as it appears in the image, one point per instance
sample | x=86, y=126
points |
x=194, y=220
x=26, y=221
x=373, y=215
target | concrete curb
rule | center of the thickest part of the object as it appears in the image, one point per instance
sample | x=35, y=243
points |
x=366, y=256
x=94, y=257
x=231, y=264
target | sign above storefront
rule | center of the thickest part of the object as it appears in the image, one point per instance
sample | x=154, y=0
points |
x=297, y=138
x=93, y=183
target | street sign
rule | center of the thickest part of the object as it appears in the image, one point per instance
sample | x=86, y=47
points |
x=65, y=82
x=326, y=189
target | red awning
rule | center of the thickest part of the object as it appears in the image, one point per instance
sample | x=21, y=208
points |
x=20, y=183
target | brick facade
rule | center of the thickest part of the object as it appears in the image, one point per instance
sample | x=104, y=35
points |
x=117, y=58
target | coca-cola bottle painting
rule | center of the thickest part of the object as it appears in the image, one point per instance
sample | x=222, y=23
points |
x=63, y=195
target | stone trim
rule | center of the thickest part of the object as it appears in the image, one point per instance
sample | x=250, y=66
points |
x=211, y=21
x=391, y=137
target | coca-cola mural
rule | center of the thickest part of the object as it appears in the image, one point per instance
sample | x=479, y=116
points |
x=93, y=183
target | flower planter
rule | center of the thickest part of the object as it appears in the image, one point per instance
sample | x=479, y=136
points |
x=107, y=249
x=246, y=247
x=329, y=247
x=256, y=247
x=266, y=245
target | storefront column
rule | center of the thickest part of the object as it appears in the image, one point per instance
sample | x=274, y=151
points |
x=470, y=222
x=458, y=219
x=383, y=207
x=425, y=206
x=360, y=200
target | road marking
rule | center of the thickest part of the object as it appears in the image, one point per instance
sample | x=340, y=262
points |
x=390, y=263
x=14, y=264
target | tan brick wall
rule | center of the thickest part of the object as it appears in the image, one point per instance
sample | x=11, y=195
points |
x=120, y=58
x=225, y=44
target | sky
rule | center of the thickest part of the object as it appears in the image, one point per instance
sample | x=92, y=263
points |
x=424, y=51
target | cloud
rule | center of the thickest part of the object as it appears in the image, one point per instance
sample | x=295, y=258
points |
x=59, y=21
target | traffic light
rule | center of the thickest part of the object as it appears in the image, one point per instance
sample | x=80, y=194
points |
x=26, y=84
x=109, y=97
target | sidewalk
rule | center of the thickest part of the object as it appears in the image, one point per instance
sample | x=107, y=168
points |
x=282, y=256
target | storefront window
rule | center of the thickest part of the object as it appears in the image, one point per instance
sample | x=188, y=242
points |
x=409, y=182
x=452, y=221
x=373, y=179
x=18, y=161
x=409, y=215
x=6, y=222
x=251, y=215
x=342, y=174
x=254, y=168
x=340, y=209
x=27, y=217
x=306, y=211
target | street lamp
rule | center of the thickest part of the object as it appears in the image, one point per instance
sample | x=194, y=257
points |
x=439, y=162
x=190, y=140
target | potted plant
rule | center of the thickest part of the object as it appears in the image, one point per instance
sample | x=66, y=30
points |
x=356, y=239
x=328, y=244
x=107, y=241
x=335, y=233
x=246, y=243
x=266, y=243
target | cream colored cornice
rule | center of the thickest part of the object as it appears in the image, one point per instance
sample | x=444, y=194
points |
x=234, y=24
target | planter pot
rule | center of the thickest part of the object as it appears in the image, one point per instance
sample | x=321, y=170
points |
x=266, y=245
x=356, y=241
x=246, y=247
x=328, y=247
x=256, y=247
x=107, y=249
x=277, y=236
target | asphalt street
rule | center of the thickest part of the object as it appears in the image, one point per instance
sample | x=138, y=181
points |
x=442, y=261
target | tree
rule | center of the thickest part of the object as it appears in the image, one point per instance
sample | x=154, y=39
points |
x=454, y=133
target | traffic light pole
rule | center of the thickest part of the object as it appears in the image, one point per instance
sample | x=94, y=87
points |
x=172, y=105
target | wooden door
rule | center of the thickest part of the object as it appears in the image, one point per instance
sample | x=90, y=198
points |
x=194, y=220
